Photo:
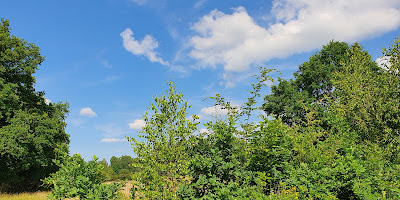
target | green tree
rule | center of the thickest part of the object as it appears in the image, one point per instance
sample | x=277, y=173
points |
x=115, y=164
x=312, y=85
x=163, y=156
x=125, y=174
x=107, y=172
x=356, y=155
x=32, y=133
x=77, y=178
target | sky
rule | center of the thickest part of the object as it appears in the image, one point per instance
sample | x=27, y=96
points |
x=109, y=58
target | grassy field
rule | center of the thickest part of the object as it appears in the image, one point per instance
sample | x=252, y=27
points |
x=43, y=195
x=25, y=196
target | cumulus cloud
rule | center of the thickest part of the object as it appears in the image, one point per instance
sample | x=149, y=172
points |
x=113, y=140
x=383, y=62
x=137, y=124
x=87, y=112
x=203, y=130
x=47, y=101
x=237, y=42
x=141, y=48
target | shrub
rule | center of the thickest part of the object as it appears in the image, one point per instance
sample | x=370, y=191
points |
x=77, y=178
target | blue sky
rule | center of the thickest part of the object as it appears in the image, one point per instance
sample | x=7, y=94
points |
x=108, y=58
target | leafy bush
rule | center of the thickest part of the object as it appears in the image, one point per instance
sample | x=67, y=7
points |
x=77, y=178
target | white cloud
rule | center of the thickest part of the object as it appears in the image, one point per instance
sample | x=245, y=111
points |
x=203, y=130
x=113, y=140
x=383, y=62
x=88, y=112
x=237, y=42
x=214, y=110
x=137, y=124
x=47, y=101
x=141, y=48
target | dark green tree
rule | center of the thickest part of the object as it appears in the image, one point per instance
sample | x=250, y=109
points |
x=32, y=132
x=115, y=164
x=311, y=86
x=107, y=172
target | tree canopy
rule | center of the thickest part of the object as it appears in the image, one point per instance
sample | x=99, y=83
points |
x=32, y=132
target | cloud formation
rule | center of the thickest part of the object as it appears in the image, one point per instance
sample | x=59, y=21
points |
x=87, y=112
x=108, y=140
x=383, y=62
x=214, y=110
x=47, y=101
x=237, y=42
x=137, y=124
x=141, y=48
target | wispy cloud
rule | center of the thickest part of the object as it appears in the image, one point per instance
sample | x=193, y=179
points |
x=87, y=112
x=112, y=140
x=112, y=130
x=110, y=79
x=141, y=48
x=199, y=3
x=139, y=2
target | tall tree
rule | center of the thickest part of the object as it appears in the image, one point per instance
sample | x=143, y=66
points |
x=290, y=100
x=368, y=97
x=32, y=132
x=163, y=156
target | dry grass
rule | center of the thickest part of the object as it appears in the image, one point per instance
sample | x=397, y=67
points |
x=43, y=195
x=25, y=196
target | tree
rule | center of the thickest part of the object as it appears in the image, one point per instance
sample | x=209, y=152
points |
x=125, y=163
x=163, y=156
x=125, y=174
x=313, y=84
x=107, y=172
x=32, y=132
x=115, y=164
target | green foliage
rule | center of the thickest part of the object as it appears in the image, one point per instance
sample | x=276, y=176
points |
x=107, y=173
x=313, y=83
x=77, y=178
x=216, y=169
x=163, y=157
x=123, y=162
x=335, y=136
x=32, y=133
x=271, y=150
x=124, y=174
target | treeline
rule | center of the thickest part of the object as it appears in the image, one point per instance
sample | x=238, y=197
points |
x=119, y=168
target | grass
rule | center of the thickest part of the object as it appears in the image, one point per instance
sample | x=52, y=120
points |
x=43, y=195
x=25, y=196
